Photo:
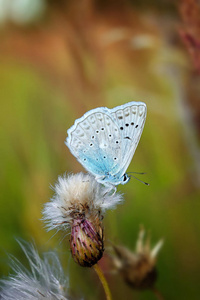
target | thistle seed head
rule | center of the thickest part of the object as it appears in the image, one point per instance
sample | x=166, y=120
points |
x=44, y=280
x=77, y=196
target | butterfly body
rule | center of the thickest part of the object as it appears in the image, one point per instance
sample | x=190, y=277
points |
x=104, y=140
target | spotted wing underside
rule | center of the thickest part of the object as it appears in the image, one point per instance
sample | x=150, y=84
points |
x=130, y=119
x=95, y=140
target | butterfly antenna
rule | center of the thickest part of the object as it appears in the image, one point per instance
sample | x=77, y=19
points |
x=146, y=183
x=140, y=173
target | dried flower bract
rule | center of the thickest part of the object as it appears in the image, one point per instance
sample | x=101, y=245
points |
x=137, y=268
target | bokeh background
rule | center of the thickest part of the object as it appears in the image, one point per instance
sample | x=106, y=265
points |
x=59, y=59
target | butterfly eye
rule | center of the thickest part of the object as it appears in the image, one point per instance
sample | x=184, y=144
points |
x=125, y=177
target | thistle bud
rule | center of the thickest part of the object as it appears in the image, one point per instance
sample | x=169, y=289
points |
x=86, y=242
x=79, y=205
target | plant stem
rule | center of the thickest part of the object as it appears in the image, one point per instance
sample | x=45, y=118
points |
x=158, y=294
x=103, y=281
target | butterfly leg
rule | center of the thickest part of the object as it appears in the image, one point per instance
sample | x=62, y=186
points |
x=111, y=189
x=100, y=179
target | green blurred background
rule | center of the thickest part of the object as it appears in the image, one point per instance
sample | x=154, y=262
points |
x=59, y=59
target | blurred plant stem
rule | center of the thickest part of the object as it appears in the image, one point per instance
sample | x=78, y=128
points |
x=103, y=281
x=158, y=294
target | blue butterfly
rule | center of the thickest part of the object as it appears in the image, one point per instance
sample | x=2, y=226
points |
x=104, y=140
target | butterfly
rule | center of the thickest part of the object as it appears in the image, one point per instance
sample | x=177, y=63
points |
x=104, y=140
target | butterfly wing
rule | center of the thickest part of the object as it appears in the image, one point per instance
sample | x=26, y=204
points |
x=95, y=140
x=130, y=118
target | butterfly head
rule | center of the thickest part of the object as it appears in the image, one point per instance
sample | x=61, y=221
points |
x=113, y=180
x=125, y=179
